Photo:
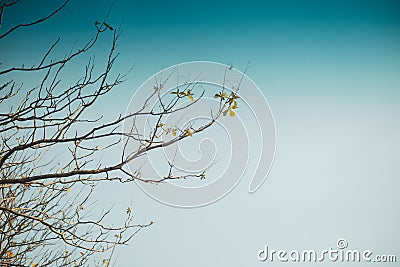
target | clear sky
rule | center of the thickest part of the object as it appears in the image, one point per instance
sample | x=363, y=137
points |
x=330, y=72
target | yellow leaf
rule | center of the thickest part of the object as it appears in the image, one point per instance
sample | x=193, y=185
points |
x=221, y=95
x=173, y=132
x=231, y=113
x=33, y=264
x=188, y=132
x=69, y=190
x=234, y=105
x=10, y=254
x=190, y=97
x=128, y=210
x=233, y=96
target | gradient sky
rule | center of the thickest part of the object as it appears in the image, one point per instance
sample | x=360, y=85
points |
x=330, y=72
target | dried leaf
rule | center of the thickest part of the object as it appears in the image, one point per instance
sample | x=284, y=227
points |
x=188, y=132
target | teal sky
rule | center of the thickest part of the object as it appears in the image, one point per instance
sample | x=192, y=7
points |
x=330, y=72
x=309, y=43
x=280, y=34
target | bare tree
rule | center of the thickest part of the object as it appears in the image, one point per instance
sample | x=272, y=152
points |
x=45, y=199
